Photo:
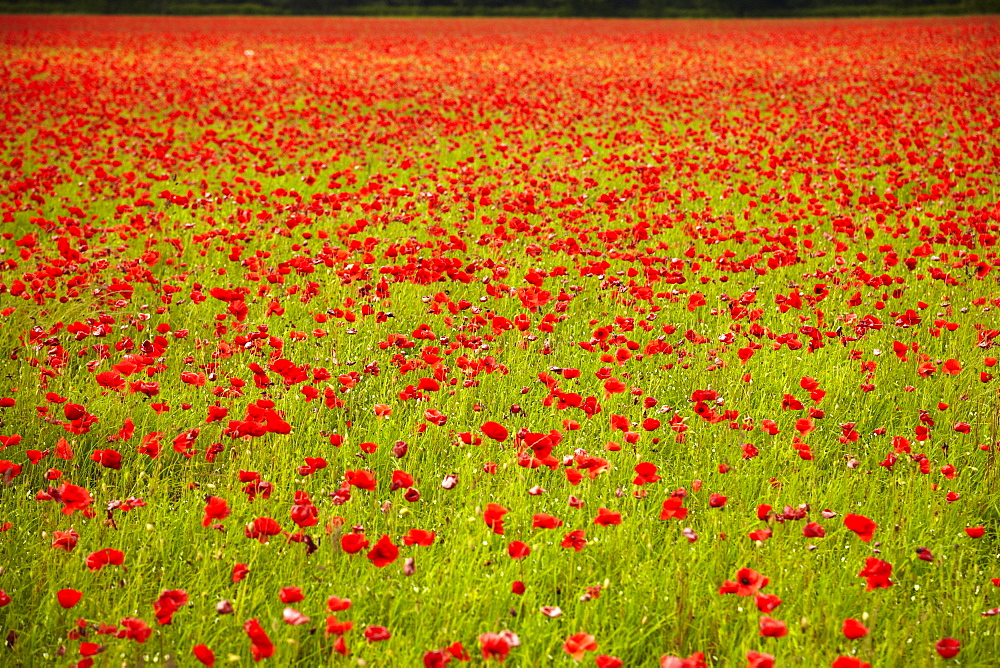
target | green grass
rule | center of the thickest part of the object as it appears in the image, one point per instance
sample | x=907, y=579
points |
x=659, y=593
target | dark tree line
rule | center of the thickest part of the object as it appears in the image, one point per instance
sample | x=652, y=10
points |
x=594, y=8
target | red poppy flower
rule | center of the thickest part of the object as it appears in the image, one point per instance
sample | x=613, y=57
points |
x=106, y=557
x=377, y=633
x=352, y=543
x=435, y=417
x=813, y=530
x=260, y=644
x=419, y=537
x=290, y=595
x=579, y=643
x=74, y=411
x=334, y=627
x=68, y=597
x=168, y=603
x=975, y=532
x=574, y=539
x=336, y=604
x=204, y=655
x=877, y=573
x=384, y=552
x=361, y=479
x=518, y=550
x=645, y=473
x=436, y=658
x=860, y=525
x=63, y=451
x=766, y=602
x=696, y=660
x=759, y=660
x=110, y=379
x=853, y=629
x=91, y=648
x=134, y=629
x=150, y=445
x=65, y=540
x=262, y=529
x=304, y=514
x=240, y=571
x=849, y=662
x=607, y=517
x=772, y=628
x=673, y=508
x=215, y=509
x=948, y=647
x=494, y=646
x=495, y=430
x=428, y=385
x=613, y=386
x=148, y=387
x=543, y=521
x=493, y=515
x=951, y=367
x=804, y=426
x=110, y=459
x=74, y=498
x=748, y=582
x=400, y=480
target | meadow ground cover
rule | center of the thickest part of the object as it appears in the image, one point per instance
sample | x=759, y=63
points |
x=400, y=343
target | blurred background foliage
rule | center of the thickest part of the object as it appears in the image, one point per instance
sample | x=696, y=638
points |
x=578, y=8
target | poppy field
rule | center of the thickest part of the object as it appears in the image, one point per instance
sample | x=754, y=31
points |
x=423, y=342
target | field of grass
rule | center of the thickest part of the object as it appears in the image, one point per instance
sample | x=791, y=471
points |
x=415, y=342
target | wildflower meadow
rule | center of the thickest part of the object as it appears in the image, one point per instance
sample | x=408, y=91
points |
x=418, y=342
